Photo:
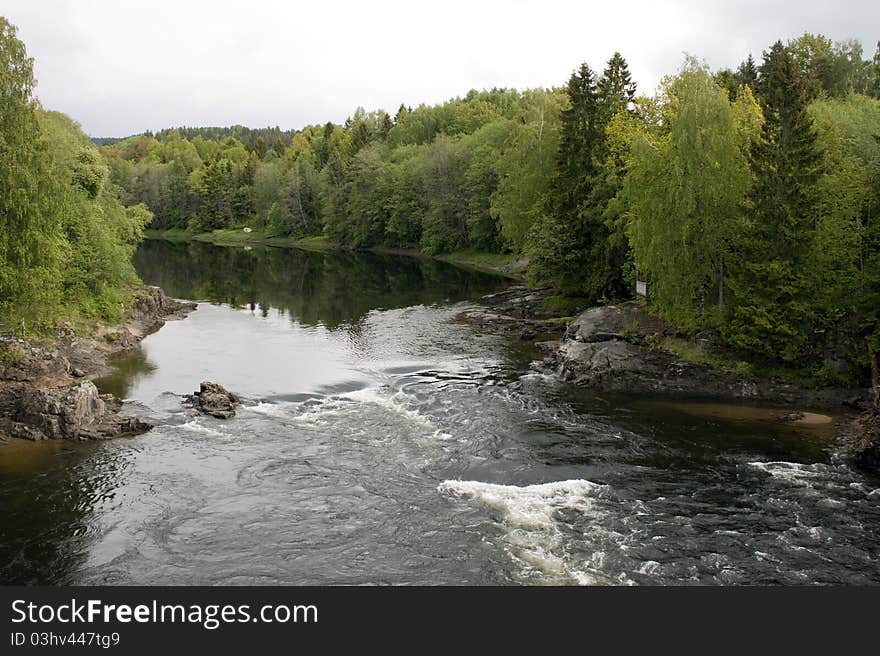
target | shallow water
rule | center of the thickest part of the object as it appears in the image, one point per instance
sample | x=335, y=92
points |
x=382, y=442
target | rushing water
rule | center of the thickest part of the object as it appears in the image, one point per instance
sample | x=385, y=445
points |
x=383, y=442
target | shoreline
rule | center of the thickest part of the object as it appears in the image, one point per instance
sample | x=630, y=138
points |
x=47, y=392
x=505, y=265
x=620, y=350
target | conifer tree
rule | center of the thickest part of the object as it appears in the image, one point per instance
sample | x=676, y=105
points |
x=560, y=245
x=747, y=73
x=580, y=134
x=773, y=316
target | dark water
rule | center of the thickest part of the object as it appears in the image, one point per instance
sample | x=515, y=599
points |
x=382, y=442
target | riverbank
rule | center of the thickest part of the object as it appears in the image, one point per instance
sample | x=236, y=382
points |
x=46, y=388
x=623, y=349
x=502, y=264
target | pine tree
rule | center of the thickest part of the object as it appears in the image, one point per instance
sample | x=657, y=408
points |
x=772, y=285
x=747, y=73
x=580, y=134
x=560, y=246
x=615, y=88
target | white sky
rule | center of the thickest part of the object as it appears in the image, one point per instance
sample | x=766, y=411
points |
x=121, y=67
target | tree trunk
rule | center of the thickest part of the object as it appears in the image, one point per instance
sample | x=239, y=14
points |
x=875, y=376
x=721, y=285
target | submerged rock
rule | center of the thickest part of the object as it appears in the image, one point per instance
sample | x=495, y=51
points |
x=74, y=412
x=215, y=400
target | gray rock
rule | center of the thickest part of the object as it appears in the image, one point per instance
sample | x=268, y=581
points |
x=75, y=412
x=604, y=348
x=599, y=325
x=215, y=400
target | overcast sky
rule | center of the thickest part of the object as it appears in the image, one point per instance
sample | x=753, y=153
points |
x=122, y=67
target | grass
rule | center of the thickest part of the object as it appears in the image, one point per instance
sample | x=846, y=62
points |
x=493, y=262
x=688, y=350
x=172, y=234
x=559, y=304
x=486, y=261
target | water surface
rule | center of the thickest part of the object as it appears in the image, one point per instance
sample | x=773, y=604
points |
x=383, y=442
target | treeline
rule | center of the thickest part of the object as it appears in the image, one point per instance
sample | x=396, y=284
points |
x=65, y=238
x=257, y=140
x=438, y=178
x=748, y=198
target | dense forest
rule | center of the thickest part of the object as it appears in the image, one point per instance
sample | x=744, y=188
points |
x=65, y=238
x=748, y=199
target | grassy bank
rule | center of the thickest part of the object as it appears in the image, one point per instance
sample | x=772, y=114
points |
x=499, y=263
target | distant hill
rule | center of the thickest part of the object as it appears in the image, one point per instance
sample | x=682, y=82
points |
x=247, y=136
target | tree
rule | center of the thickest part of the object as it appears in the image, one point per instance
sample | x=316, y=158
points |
x=31, y=196
x=727, y=80
x=773, y=315
x=747, y=72
x=559, y=246
x=615, y=89
x=687, y=190
x=874, y=76
x=526, y=167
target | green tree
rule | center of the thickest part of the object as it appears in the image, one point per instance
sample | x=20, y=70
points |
x=687, y=189
x=31, y=196
x=747, y=72
x=559, y=246
x=526, y=167
x=773, y=314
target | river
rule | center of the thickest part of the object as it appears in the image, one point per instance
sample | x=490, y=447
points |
x=383, y=442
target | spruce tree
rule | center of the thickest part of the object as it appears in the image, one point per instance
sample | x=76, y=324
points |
x=572, y=247
x=615, y=88
x=580, y=133
x=773, y=316
x=560, y=246
x=747, y=73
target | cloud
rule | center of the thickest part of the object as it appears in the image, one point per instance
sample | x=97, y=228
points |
x=121, y=68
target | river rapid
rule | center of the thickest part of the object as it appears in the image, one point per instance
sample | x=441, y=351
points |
x=382, y=442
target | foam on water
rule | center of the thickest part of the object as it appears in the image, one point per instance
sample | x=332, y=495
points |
x=794, y=472
x=531, y=516
x=195, y=427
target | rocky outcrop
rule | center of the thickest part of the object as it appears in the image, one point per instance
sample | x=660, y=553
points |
x=215, y=400
x=74, y=412
x=21, y=361
x=860, y=442
x=150, y=309
x=45, y=391
x=517, y=311
x=610, y=348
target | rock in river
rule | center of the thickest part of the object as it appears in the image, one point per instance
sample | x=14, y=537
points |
x=215, y=400
x=74, y=412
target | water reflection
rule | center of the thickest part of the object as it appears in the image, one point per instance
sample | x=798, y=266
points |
x=129, y=367
x=50, y=491
x=328, y=288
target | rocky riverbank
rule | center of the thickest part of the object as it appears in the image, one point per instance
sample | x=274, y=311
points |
x=620, y=349
x=46, y=391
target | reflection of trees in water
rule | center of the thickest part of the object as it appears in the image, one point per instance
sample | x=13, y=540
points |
x=128, y=367
x=331, y=288
x=48, y=519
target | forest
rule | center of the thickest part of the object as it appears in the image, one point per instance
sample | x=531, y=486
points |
x=748, y=199
x=66, y=240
